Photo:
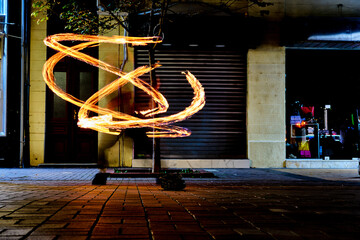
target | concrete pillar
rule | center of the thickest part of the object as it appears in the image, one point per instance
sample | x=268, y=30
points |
x=266, y=106
x=266, y=92
x=116, y=151
x=37, y=93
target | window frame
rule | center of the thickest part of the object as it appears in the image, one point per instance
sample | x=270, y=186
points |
x=3, y=67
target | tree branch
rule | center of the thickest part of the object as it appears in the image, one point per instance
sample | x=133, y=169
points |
x=121, y=23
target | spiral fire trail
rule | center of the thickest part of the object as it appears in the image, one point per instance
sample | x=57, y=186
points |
x=109, y=121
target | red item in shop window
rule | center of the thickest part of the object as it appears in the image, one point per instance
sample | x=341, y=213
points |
x=307, y=110
x=305, y=154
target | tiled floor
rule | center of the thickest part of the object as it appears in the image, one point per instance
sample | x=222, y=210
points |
x=240, y=204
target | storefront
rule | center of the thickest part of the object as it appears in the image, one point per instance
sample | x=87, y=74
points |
x=311, y=47
x=219, y=129
x=322, y=104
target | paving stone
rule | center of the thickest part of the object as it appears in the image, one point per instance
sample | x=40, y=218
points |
x=62, y=217
x=10, y=237
x=253, y=204
x=72, y=237
x=15, y=232
x=41, y=237
x=181, y=217
x=163, y=228
x=159, y=218
x=152, y=211
x=103, y=220
x=128, y=237
x=52, y=225
x=84, y=217
x=104, y=230
x=134, y=230
x=59, y=232
x=167, y=236
x=135, y=220
x=189, y=227
x=80, y=225
x=8, y=222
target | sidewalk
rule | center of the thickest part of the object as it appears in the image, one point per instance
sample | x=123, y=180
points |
x=239, y=204
x=245, y=176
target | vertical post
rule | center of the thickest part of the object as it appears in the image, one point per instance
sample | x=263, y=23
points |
x=316, y=136
x=326, y=127
x=156, y=161
x=22, y=86
x=325, y=119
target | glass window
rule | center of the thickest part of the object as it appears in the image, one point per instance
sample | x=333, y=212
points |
x=3, y=62
x=323, y=105
x=85, y=85
x=59, y=103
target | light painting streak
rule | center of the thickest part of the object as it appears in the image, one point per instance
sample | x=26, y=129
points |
x=109, y=121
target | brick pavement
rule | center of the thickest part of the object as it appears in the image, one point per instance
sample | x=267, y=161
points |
x=272, y=204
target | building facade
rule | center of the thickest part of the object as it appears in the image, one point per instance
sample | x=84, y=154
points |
x=250, y=68
x=14, y=74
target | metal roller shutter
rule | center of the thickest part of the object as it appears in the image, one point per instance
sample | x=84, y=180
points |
x=219, y=129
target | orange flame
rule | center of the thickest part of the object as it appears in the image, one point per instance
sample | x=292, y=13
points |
x=109, y=121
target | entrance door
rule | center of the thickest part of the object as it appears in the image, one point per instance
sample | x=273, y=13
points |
x=65, y=142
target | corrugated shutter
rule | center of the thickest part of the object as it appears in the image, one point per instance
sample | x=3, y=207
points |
x=219, y=129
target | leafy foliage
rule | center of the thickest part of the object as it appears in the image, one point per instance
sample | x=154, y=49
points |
x=82, y=16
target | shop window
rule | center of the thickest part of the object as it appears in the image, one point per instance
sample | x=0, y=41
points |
x=3, y=62
x=322, y=104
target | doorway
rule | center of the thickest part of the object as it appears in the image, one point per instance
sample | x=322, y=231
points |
x=65, y=142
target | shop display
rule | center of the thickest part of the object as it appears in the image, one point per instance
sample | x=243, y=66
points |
x=322, y=87
x=310, y=137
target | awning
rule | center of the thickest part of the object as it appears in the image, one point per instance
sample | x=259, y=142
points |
x=321, y=33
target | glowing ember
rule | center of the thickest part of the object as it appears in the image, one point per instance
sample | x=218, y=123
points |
x=109, y=121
